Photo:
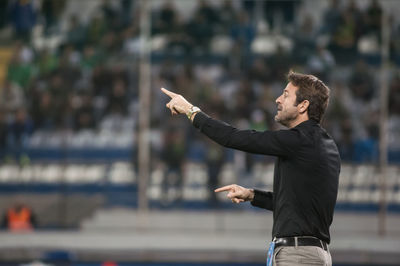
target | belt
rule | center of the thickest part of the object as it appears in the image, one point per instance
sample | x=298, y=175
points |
x=300, y=241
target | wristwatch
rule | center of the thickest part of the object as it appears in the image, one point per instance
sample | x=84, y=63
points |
x=193, y=110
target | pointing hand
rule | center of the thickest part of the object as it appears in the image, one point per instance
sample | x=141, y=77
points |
x=237, y=193
x=177, y=104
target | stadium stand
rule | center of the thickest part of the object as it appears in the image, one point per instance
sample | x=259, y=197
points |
x=69, y=104
x=69, y=100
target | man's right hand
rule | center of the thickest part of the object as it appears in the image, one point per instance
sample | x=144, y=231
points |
x=177, y=104
x=237, y=193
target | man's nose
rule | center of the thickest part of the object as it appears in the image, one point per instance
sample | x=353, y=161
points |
x=278, y=100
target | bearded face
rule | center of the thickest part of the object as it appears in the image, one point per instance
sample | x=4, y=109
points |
x=287, y=107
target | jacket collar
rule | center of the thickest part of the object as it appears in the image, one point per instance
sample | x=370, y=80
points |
x=307, y=123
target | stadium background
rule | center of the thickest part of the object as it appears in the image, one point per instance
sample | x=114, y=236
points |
x=87, y=143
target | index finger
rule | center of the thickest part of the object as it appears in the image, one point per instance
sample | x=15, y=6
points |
x=225, y=188
x=169, y=93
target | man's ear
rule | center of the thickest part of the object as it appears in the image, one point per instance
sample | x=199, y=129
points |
x=303, y=106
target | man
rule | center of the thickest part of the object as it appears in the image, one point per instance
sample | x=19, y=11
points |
x=19, y=218
x=306, y=169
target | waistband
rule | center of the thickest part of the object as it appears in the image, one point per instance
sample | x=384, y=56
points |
x=300, y=241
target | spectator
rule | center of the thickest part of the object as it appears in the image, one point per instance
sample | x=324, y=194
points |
x=178, y=39
x=346, y=143
x=118, y=99
x=101, y=80
x=394, y=95
x=96, y=29
x=357, y=15
x=344, y=40
x=249, y=6
x=258, y=122
x=361, y=82
x=260, y=70
x=394, y=40
x=3, y=133
x=47, y=62
x=338, y=121
x=76, y=33
x=23, y=17
x=11, y=96
x=281, y=61
x=108, y=11
x=366, y=149
x=52, y=10
x=173, y=155
x=19, y=218
x=84, y=113
x=125, y=12
x=373, y=18
x=215, y=159
x=68, y=73
x=245, y=96
x=304, y=39
x=19, y=131
x=243, y=32
x=227, y=17
x=279, y=13
x=205, y=10
x=321, y=62
x=20, y=69
x=200, y=32
x=331, y=18
x=166, y=19
x=4, y=5
x=43, y=111
x=90, y=58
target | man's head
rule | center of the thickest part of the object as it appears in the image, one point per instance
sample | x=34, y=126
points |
x=305, y=97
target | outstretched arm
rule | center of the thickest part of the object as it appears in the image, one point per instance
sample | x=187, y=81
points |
x=277, y=143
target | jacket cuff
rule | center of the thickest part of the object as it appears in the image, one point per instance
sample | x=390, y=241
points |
x=262, y=199
x=200, y=119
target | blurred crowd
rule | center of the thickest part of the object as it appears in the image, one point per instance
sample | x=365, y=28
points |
x=89, y=79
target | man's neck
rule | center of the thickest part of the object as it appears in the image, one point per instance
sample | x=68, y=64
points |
x=297, y=121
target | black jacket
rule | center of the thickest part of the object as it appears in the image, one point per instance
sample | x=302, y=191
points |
x=306, y=173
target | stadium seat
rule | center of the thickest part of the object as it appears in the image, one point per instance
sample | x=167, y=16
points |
x=195, y=194
x=368, y=44
x=392, y=176
x=221, y=44
x=122, y=173
x=396, y=197
x=51, y=173
x=74, y=174
x=364, y=176
x=342, y=195
x=346, y=173
x=359, y=195
x=25, y=174
x=195, y=175
x=263, y=175
x=9, y=173
x=228, y=175
x=94, y=173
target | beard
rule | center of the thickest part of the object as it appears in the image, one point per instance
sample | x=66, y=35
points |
x=284, y=117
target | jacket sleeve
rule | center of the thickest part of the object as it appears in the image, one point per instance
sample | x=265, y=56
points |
x=263, y=199
x=277, y=143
